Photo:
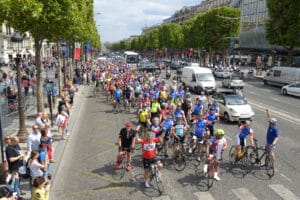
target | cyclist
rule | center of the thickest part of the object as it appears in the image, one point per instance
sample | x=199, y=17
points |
x=272, y=138
x=167, y=125
x=126, y=143
x=243, y=132
x=149, y=153
x=178, y=131
x=198, y=108
x=179, y=111
x=128, y=96
x=212, y=117
x=198, y=135
x=218, y=144
x=144, y=116
x=117, y=98
x=155, y=108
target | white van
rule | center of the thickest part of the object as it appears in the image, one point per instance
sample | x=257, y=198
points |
x=198, y=79
x=280, y=76
x=4, y=59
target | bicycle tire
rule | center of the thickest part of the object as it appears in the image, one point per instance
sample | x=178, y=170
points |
x=232, y=155
x=269, y=166
x=252, y=155
x=179, y=162
x=159, y=183
x=244, y=160
x=209, y=178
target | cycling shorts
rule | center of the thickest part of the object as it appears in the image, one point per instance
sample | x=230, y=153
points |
x=198, y=138
x=148, y=162
x=240, y=141
x=181, y=139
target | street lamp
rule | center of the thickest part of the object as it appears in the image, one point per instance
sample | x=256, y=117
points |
x=22, y=133
x=49, y=89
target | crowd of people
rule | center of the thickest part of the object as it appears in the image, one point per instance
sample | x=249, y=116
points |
x=166, y=111
x=34, y=163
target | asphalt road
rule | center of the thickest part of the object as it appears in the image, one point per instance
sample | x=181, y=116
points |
x=85, y=170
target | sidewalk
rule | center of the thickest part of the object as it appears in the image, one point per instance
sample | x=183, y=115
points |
x=30, y=117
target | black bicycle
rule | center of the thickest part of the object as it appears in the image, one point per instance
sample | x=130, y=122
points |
x=257, y=154
x=155, y=178
x=238, y=157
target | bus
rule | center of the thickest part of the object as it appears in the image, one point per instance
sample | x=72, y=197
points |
x=132, y=59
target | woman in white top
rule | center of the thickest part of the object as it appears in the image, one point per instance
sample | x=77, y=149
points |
x=36, y=168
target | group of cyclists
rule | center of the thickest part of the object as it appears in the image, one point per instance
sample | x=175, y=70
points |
x=165, y=113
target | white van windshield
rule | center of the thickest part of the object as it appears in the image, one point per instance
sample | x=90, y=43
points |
x=204, y=77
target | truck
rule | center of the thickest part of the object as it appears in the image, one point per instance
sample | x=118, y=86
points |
x=198, y=79
x=280, y=76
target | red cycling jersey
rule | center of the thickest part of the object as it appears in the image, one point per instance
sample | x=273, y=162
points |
x=149, y=151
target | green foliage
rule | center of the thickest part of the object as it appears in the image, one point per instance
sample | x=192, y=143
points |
x=283, y=25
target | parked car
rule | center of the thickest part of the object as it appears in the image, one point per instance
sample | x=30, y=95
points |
x=220, y=73
x=233, y=106
x=149, y=67
x=291, y=89
x=233, y=81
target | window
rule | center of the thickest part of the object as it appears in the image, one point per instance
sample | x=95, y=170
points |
x=277, y=73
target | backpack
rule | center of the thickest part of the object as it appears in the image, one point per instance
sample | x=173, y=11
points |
x=24, y=170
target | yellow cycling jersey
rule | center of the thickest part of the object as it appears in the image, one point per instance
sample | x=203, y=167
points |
x=143, y=116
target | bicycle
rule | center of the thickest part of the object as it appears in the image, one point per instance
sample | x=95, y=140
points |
x=118, y=173
x=211, y=169
x=255, y=157
x=235, y=157
x=155, y=176
x=179, y=162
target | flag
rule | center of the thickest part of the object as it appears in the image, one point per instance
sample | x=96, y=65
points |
x=77, y=51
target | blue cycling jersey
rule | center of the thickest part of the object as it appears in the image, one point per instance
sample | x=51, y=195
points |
x=200, y=128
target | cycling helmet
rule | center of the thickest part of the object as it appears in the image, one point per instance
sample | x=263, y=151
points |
x=179, y=116
x=163, y=106
x=273, y=120
x=145, y=104
x=155, y=119
x=219, y=132
x=247, y=122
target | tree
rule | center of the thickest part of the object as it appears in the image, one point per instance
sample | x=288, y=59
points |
x=283, y=25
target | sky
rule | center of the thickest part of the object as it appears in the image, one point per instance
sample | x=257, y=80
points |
x=119, y=19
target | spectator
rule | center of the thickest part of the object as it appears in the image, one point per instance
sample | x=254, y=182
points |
x=46, y=140
x=36, y=168
x=41, y=189
x=15, y=160
x=33, y=140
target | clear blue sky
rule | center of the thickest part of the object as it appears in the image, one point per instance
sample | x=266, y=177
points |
x=119, y=19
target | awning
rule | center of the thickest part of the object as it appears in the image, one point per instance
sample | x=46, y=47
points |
x=27, y=52
x=254, y=39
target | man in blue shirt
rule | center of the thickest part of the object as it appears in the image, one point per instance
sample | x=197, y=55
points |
x=272, y=138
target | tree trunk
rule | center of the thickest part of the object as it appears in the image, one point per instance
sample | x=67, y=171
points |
x=39, y=94
x=290, y=56
x=59, y=70
x=22, y=133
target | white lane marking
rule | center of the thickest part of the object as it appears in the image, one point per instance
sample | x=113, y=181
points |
x=279, y=113
x=287, y=178
x=283, y=192
x=244, y=194
x=203, y=195
x=161, y=198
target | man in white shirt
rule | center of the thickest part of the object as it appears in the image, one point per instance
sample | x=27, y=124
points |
x=34, y=140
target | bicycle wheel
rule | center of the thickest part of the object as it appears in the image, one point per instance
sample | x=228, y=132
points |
x=232, y=155
x=251, y=155
x=209, y=176
x=244, y=160
x=159, y=183
x=179, y=162
x=269, y=164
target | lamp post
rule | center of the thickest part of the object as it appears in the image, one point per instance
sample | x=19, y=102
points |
x=22, y=133
x=49, y=88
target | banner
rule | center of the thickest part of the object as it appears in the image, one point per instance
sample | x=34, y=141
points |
x=77, y=51
x=88, y=47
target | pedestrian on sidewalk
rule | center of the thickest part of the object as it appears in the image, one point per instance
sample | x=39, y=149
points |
x=15, y=160
x=41, y=189
x=46, y=140
x=33, y=140
x=33, y=83
x=46, y=123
